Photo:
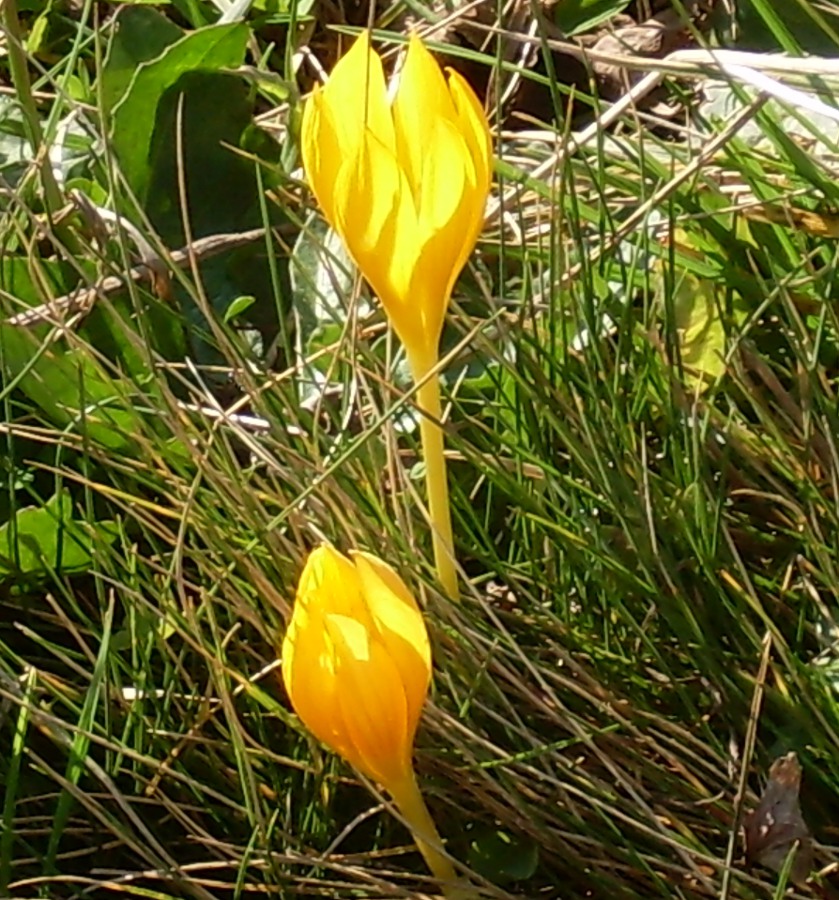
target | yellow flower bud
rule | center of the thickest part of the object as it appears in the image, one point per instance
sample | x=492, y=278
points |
x=403, y=184
x=356, y=662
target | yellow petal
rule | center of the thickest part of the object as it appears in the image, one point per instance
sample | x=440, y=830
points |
x=373, y=709
x=447, y=167
x=400, y=627
x=356, y=95
x=474, y=129
x=421, y=99
x=320, y=148
x=376, y=218
x=447, y=216
x=376, y=576
x=406, y=188
x=329, y=584
x=473, y=126
x=389, y=601
x=310, y=678
x=335, y=119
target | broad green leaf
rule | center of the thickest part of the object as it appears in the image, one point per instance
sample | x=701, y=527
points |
x=41, y=539
x=71, y=389
x=139, y=34
x=578, y=16
x=134, y=119
x=211, y=111
x=64, y=379
x=237, y=307
x=184, y=112
x=502, y=858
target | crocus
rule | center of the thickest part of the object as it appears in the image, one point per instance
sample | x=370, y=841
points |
x=404, y=183
x=356, y=663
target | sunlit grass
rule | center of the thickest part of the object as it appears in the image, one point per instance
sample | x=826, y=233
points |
x=631, y=544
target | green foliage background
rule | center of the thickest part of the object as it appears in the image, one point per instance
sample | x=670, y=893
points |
x=640, y=369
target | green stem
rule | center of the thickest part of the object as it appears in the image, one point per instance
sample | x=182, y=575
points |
x=23, y=91
x=410, y=803
x=436, y=482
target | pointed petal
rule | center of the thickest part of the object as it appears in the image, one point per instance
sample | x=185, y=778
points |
x=320, y=148
x=446, y=168
x=421, y=99
x=471, y=223
x=378, y=581
x=392, y=608
x=335, y=117
x=329, y=584
x=372, y=703
x=401, y=628
x=376, y=218
x=356, y=95
x=447, y=218
x=310, y=678
x=473, y=126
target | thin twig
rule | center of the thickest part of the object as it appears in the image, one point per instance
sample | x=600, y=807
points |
x=82, y=299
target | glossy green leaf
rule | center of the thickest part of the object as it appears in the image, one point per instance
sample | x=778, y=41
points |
x=43, y=539
x=502, y=858
x=134, y=118
x=237, y=307
x=139, y=34
x=579, y=16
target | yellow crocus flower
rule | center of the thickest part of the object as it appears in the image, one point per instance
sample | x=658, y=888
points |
x=356, y=662
x=403, y=184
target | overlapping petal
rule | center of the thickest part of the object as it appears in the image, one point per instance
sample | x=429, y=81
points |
x=334, y=121
x=445, y=219
x=405, y=186
x=375, y=215
x=356, y=95
x=421, y=101
x=472, y=124
x=320, y=146
x=401, y=629
x=325, y=568
x=357, y=661
x=371, y=699
x=474, y=129
x=308, y=669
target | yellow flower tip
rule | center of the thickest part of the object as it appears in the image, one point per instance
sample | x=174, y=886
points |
x=405, y=185
x=356, y=661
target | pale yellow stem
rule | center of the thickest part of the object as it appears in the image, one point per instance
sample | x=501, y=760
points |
x=410, y=803
x=436, y=481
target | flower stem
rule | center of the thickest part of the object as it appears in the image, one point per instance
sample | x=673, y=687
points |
x=410, y=803
x=436, y=483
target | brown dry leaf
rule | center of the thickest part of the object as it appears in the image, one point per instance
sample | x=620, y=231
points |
x=655, y=38
x=817, y=224
x=777, y=825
